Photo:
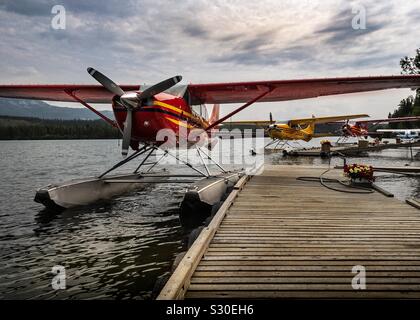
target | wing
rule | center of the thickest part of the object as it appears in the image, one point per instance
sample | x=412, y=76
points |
x=295, y=89
x=389, y=120
x=397, y=130
x=224, y=92
x=295, y=122
x=258, y=123
x=246, y=124
x=87, y=93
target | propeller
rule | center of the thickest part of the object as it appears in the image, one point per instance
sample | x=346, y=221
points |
x=159, y=87
x=127, y=132
x=271, y=126
x=106, y=82
x=131, y=100
x=345, y=130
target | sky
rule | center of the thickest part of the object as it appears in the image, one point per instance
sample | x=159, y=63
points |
x=146, y=41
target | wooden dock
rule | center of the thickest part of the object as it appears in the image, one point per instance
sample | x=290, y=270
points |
x=278, y=237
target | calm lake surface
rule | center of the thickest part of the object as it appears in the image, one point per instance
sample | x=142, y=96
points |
x=115, y=249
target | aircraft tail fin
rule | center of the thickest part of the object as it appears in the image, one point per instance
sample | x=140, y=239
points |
x=311, y=126
x=215, y=114
x=310, y=129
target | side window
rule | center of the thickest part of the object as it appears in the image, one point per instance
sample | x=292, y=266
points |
x=200, y=110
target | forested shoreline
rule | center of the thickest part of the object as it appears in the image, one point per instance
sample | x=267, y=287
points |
x=24, y=128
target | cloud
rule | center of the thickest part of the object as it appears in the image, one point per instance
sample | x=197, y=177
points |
x=28, y=7
x=415, y=16
x=195, y=30
x=89, y=7
x=270, y=57
x=339, y=30
x=252, y=50
x=258, y=41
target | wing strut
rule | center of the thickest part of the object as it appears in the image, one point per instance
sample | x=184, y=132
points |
x=240, y=108
x=111, y=122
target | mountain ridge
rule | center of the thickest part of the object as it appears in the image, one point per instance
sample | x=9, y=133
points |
x=42, y=110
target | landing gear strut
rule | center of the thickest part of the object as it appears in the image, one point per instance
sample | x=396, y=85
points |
x=149, y=150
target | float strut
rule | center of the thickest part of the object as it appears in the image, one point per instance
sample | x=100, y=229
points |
x=154, y=164
x=152, y=149
x=202, y=161
x=187, y=164
x=129, y=158
x=209, y=158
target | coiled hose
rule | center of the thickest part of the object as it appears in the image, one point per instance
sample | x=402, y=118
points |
x=322, y=180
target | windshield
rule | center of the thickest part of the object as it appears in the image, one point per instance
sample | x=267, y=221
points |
x=200, y=110
x=177, y=90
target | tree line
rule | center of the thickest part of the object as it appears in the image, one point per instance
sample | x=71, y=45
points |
x=23, y=128
x=410, y=106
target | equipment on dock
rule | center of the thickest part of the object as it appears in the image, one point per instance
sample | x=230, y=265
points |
x=363, y=143
x=407, y=170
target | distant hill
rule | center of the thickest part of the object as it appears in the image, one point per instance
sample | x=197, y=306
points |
x=24, y=128
x=43, y=110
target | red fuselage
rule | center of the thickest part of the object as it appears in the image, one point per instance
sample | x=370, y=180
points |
x=164, y=111
x=356, y=130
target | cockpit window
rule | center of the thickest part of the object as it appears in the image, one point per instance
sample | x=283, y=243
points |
x=200, y=110
x=177, y=90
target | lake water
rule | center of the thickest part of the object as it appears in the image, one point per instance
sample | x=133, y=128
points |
x=115, y=249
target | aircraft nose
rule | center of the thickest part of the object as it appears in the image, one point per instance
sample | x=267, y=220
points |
x=130, y=98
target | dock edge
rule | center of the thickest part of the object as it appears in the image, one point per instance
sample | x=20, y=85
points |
x=179, y=281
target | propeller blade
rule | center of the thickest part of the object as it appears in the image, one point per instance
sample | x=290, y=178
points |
x=159, y=87
x=271, y=117
x=127, y=132
x=106, y=82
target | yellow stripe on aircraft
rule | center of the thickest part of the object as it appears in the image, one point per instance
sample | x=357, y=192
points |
x=179, y=123
x=170, y=107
